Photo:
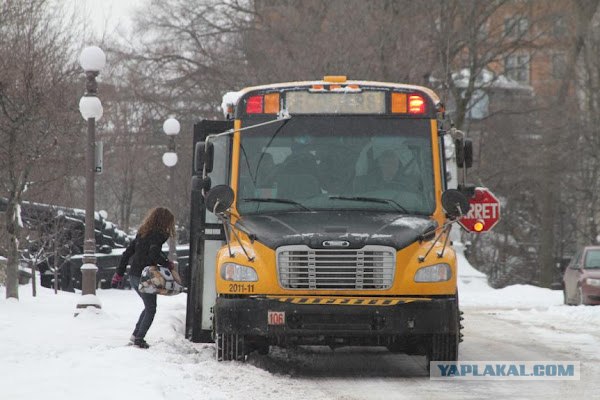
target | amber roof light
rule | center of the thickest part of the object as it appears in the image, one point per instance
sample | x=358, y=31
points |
x=335, y=78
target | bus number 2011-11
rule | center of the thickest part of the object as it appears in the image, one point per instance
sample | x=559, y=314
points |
x=241, y=288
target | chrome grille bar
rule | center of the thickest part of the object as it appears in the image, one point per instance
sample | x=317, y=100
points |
x=368, y=268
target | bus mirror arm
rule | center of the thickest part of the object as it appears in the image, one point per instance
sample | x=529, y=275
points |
x=204, y=151
x=444, y=229
x=456, y=204
x=218, y=200
x=283, y=115
x=227, y=226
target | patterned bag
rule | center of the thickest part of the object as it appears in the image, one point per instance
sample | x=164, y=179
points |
x=159, y=280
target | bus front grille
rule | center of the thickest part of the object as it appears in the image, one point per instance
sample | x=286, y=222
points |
x=368, y=268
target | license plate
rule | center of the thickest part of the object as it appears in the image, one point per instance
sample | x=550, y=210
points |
x=276, y=317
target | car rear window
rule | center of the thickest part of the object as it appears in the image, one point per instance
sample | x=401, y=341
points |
x=592, y=259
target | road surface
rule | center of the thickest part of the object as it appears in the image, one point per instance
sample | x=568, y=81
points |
x=490, y=334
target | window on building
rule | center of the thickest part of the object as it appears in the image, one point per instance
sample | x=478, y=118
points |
x=559, y=65
x=516, y=67
x=516, y=26
x=483, y=31
x=478, y=107
x=559, y=27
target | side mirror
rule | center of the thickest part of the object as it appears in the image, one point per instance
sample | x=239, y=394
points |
x=219, y=199
x=467, y=190
x=203, y=155
x=464, y=153
x=455, y=203
x=199, y=183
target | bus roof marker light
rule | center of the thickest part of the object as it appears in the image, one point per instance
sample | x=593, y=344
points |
x=335, y=78
x=399, y=103
x=271, y=103
x=416, y=104
x=254, y=105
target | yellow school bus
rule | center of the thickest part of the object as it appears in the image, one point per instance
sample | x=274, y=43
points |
x=320, y=216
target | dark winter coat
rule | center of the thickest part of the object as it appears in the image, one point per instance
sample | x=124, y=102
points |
x=145, y=251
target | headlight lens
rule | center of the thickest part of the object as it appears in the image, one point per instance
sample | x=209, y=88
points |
x=592, y=282
x=434, y=273
x=236, y=272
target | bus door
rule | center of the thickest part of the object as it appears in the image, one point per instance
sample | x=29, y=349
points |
x=206, y=235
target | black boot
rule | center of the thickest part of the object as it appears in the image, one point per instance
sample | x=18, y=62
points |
x=141, y=343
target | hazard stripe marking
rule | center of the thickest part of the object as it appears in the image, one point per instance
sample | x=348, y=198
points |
x=348, y=301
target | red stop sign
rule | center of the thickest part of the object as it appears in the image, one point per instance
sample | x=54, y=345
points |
x=484, y=212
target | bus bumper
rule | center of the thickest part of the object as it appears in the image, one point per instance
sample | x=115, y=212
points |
x=278, y=317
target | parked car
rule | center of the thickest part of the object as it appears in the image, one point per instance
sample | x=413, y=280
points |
x=107, y=265
x=582, y=277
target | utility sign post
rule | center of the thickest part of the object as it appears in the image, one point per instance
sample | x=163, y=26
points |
x=99, y=157
x=484, y=212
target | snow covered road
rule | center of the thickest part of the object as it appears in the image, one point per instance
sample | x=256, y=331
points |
x=46, y=353
x=490, y=334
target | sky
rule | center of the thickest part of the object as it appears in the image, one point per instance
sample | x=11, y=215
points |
x=108, y=15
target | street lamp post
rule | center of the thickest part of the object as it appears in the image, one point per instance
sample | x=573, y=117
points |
x=92, y=60
x=171, y=127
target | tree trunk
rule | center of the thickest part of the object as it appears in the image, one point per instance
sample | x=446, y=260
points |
x=33, y=279
x=547, y=233
x=56, y=267
x=13, y=229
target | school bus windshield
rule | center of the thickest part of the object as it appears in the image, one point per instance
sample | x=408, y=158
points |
x=371, y=163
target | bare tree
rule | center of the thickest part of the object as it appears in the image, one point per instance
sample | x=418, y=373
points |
x=305, y=40
x=583, y=13
x=37, y=107
x=469, y=38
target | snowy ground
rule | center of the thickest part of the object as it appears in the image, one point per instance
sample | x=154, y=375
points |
x=47, y=353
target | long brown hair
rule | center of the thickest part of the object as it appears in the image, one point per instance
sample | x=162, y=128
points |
x=159, y=219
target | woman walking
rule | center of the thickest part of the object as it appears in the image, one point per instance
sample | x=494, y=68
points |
x=145, y=249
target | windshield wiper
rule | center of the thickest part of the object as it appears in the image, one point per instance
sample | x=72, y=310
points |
x=372, y=200
x=270, y=200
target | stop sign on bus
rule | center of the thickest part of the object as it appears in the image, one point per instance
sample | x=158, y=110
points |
x=484, y=212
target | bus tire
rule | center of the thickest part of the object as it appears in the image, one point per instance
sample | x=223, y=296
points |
x=444, y=346
x=230, y=347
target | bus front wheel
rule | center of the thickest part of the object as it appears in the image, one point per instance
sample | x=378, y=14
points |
x=444, y=346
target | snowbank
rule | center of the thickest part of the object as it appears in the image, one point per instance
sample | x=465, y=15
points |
x=47, y=353
x=470, y=280
x=515, y=296
x=475, y=291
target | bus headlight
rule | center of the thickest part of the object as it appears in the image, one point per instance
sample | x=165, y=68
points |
x=433, y=273
x=235, y=272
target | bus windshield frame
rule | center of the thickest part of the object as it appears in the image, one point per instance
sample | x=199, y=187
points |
x=370, y=163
